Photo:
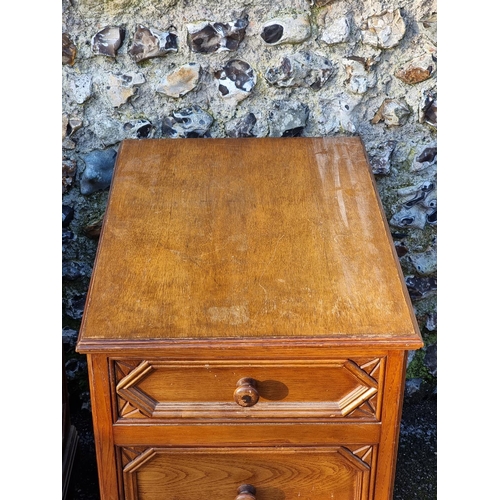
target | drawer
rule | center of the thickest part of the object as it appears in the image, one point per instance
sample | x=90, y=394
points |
x=341, y=473
x=317, y=389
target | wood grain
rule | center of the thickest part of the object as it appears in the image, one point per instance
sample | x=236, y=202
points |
x=276, y=474
x=229, y=239
x=100, y=392
x=205, y=389
x=239, y=435
x=391, y=417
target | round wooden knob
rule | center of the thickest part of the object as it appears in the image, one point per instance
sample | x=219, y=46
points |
x=246, y=393
x=246, y=492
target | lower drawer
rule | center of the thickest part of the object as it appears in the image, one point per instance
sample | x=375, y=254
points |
x=260, y=473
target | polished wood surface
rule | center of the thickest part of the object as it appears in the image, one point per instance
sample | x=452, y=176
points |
x=275, y=473
x=191, y=434
x=247, y=324
x=246, y=238
x=218, y=389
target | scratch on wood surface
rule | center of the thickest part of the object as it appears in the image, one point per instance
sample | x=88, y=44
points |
x=187, y=257
x=271, y=258
x=264, y=308
x=322, y=162
x=324, y=159
x=340, y=198
x=361, y=202
x=265, y=292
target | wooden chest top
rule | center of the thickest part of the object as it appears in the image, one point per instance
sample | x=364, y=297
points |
x=266, y=238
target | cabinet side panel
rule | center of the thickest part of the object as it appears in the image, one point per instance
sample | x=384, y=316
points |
x=391, y=418
x=103, y=431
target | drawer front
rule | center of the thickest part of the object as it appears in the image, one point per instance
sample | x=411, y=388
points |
x=319, y=389
x=341, y=473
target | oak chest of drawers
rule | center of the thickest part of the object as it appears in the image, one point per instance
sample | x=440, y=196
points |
x=247, y=324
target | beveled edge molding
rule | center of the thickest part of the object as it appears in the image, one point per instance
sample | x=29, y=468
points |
x=406, y=341
x=361, y=402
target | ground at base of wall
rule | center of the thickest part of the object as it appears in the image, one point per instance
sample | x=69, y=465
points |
x=416, y=473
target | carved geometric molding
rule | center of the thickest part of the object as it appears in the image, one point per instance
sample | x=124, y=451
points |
x=368, y=408
x=373, y=367
x=364, y=453
x=140, y=455
x=309, y=472
x=336, y=388
x=366, y=390
x=131, y=453
x=124, y=367
x=127, y=388
x=126, y=409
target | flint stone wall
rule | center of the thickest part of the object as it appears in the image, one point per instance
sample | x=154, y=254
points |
x=255, y=68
